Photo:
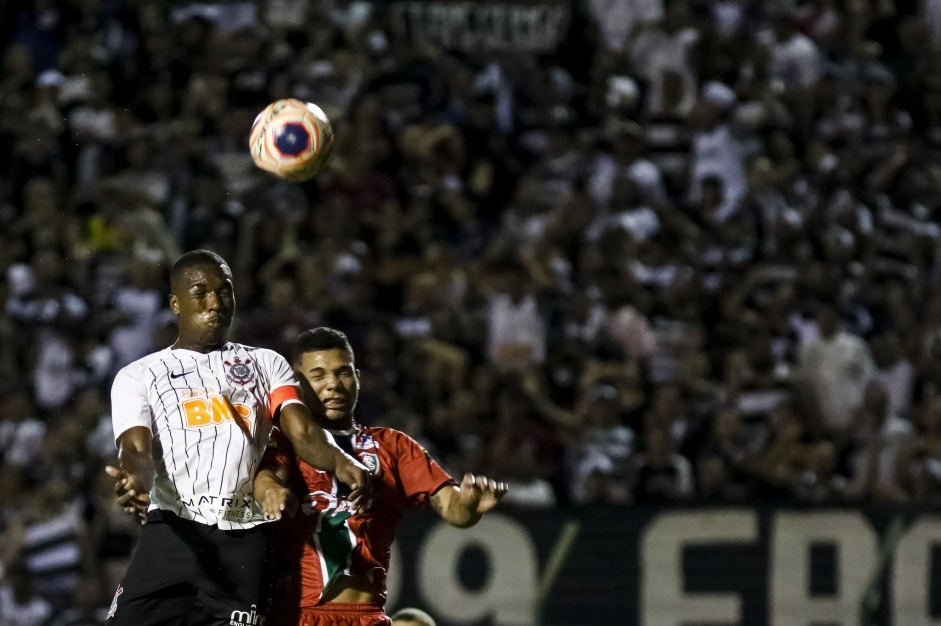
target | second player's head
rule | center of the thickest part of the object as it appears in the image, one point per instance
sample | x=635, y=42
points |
x=324, y=362
x=203, y=298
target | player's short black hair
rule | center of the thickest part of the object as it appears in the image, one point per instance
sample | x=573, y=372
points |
x=195, y=258
x=414, y=615
x=320, y=339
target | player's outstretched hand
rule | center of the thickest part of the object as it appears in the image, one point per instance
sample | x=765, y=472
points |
x=359, y=479
x=279, y=501
x=130, y=496
x=480, y=494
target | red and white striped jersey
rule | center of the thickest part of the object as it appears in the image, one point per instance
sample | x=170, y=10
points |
x=211, y=417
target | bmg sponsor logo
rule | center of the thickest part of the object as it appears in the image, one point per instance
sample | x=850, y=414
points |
x=213, y=411
x=247, y=618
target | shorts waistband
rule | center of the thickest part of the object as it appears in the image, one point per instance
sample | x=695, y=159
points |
x=343, y=607
x=159, y=515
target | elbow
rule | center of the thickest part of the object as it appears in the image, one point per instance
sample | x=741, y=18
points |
x=463, y=521
x=460, y=523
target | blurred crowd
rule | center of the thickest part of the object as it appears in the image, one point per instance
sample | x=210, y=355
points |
x=688, y=254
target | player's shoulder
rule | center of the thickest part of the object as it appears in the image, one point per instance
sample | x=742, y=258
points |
x=389, y=437
x=260, y=355
x=380, y=432
x=145, y=365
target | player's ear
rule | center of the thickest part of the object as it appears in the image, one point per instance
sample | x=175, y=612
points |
x=174, y=304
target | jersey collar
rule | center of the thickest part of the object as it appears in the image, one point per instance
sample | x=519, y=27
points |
x=343, y=433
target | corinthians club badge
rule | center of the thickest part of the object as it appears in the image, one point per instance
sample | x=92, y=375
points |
x=240, y=372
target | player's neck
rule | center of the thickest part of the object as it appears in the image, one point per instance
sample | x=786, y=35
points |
x=345, y=426
x=196, y=345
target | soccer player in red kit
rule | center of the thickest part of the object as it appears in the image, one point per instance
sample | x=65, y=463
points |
x=331, y=566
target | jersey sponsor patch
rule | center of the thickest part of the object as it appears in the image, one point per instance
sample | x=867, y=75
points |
x=240, y=372
x=214, y=410
x=233, y=508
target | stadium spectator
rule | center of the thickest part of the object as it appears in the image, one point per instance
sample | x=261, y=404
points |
x=895, y=372
x=20, y=605
x=919, y=465
x=660, y=473
x=838, y=366
x=85, y=609
x=21, y=432
x=601, y=462
x=55, y=544
x=878, y=435
x=724, y=459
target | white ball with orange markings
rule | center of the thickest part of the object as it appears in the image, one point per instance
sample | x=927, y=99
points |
x=291, y=139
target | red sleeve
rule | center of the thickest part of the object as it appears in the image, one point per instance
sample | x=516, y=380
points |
x=419, y=475
x=278, y=454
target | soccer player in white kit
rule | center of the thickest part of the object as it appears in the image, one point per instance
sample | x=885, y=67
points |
x=191, y=423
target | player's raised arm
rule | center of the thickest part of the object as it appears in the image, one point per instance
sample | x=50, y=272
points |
x=315, y=447
x=464, y=506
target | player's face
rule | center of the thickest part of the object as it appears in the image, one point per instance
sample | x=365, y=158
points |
x=204, y=300
x=331, y=384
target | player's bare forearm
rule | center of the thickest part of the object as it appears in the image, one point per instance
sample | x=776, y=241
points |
x=135, y=474
x=269, y=478
x=270, y=491
x=447, y=503
x=136, y=459
x=310, y=441
x=464, y=506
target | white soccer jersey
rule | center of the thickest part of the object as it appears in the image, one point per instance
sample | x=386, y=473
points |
x=210, y=415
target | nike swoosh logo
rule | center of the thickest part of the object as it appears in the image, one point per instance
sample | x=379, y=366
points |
x=174, y=375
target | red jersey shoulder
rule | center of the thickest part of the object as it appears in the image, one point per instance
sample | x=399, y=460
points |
x=393, y=443
x=414, y=474
x=374, y=448
x=390, y=438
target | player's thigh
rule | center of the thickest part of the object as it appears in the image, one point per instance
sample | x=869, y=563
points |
x=233, y=569
x=156, y=587
x=164, y=607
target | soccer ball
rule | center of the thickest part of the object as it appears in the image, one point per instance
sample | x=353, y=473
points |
x=291, y=139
